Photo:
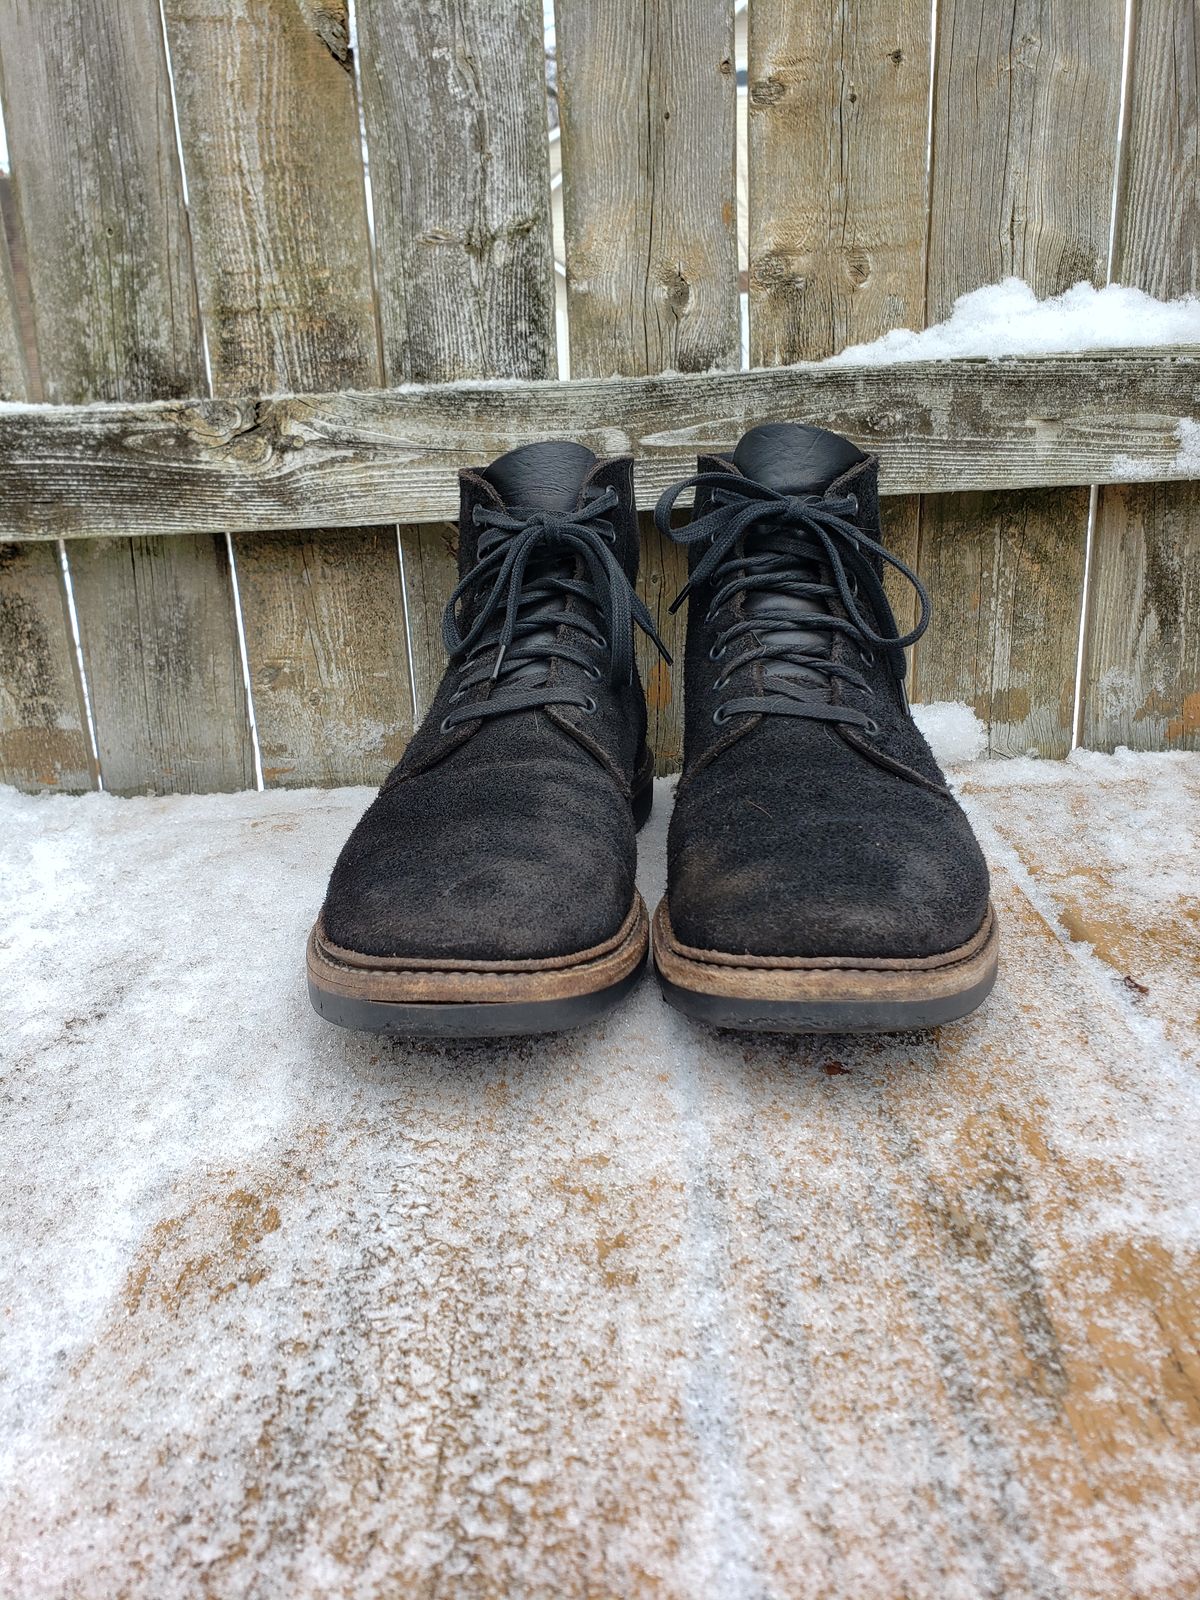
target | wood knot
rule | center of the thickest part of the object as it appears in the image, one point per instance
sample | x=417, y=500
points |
x=858, y=266
x=767, y=92
x=778, y=272
x=677, y=291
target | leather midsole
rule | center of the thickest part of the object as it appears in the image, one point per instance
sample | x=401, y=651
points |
x=818, y=978
x=419, y=980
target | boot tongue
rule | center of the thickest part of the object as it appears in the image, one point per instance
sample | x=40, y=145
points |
x=541, y=477
x=794, y=458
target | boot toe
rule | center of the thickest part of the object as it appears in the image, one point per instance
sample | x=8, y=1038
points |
x=503, y=869
x=828, y=875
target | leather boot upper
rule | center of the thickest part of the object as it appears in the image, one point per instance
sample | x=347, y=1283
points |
x=811, y=818
x=507, y=834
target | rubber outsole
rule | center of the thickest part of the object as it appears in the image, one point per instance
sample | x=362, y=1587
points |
x=833, y=995
x=472, y=1021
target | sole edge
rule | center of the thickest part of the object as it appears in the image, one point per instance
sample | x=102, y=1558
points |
x=827, y=999
x=526, y=1002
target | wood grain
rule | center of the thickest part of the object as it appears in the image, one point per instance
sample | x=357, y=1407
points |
x=43, y=733
x=269, y=129
x=430, y=552
x=14, y=362
x=454, y=107
x=1142, y=651
x=647, y=104
x=333, y=459
x=179, y=739
x=1024, y=139
x=838, y=128
x=1027, y=99
x=88, y=113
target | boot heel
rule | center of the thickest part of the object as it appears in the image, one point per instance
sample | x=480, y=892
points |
x=642, y=799
x=643, y=805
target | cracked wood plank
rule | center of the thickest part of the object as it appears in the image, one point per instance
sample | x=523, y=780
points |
x=333, y=459
x=455, y=112
x=1142, y=654
x=269, y=129
x=1026, y=107
x=43, y=740
x=87, y=108
x=647, y=103
x=454, y=107
x=1002, y=602
x=838, y=205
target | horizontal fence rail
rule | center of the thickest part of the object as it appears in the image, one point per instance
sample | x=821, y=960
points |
x=296, y=461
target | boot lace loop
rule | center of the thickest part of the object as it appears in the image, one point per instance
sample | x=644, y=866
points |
x=806, y=547
x=536, y=573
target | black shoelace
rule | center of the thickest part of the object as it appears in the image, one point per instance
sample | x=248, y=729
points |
x=803, y=547
x=537, y=572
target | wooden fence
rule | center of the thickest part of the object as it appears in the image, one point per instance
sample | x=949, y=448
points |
x=188, y=226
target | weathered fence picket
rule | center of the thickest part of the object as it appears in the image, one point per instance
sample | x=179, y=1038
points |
x=269, y=128
x=1024, y=138
x=43, y=739
x=338, y=495
x=87, y=107
x=454, y=107
x=1142, y=660
x=838, y=124
x=647, y=104
x=838, y=128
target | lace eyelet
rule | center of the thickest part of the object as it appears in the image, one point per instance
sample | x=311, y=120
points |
x=867, y=657
x=717, y=655
x=871, y=728
x=589, y=707
x=446, y=726
x=593, y=672
x=720, y=716
x=457, y=696
x=853, y=499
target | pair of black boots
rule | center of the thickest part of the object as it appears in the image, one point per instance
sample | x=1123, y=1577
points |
x=821, y=876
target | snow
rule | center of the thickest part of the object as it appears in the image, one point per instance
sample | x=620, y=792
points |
x=642, y=1310
x=1008, y=319
x=954, y=732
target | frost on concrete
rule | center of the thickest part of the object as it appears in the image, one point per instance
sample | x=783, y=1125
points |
x=1008, y=319
x=647, y=1310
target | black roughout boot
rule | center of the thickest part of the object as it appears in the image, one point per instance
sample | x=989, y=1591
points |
x=489, y=889
x=821, y=876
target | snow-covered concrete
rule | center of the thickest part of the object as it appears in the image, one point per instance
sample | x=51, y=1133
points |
x=646, y=1310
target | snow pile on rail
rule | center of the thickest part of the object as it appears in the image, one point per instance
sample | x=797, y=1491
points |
x=1008, y=319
